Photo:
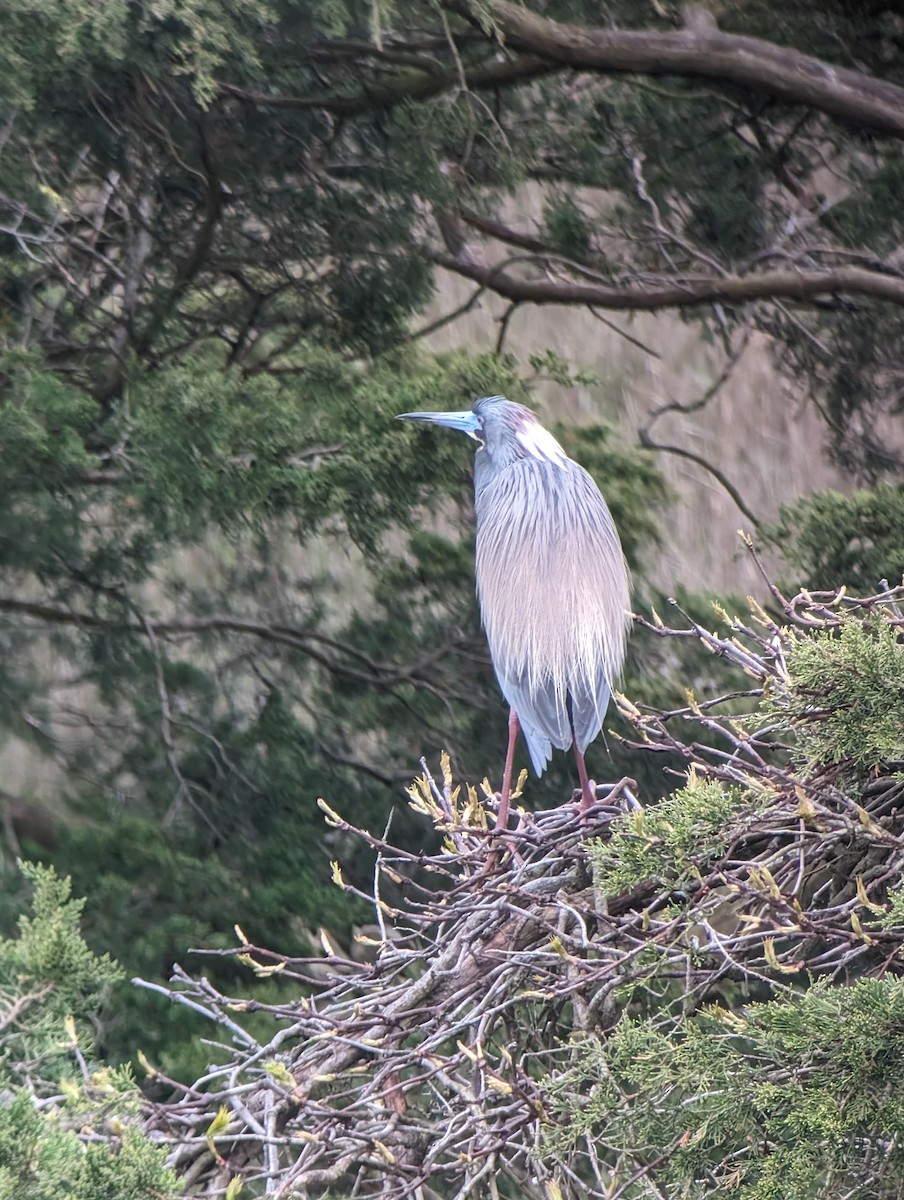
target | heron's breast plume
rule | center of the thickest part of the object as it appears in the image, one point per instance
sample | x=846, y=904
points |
x=551, y=576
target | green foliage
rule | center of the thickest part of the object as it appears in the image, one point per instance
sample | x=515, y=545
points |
x=48, y=39
x=51, y=985
x=41, y=1159
x=667, y=841
x=219, y=448
x=844, y=698
x=569, y=230
x=189, y=38
x=725, y=1018
x=829, y=539
x=814, y=1082
x=868, y=223
x=50, y=973
x=43, y=424
x=286, y=196
x=550, y=365
x=893, y=917
x=230, y=581
x=165, y=877
x=196, y=804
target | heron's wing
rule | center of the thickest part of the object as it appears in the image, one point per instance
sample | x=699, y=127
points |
x=544, y=722
x=544, y=716
x=588, y=710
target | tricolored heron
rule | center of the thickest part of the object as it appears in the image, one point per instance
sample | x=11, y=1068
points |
x=552, y=583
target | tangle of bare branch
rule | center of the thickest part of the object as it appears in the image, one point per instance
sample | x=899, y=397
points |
x=425, y=1070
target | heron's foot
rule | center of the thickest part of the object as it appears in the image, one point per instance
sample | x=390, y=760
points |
x=585, y=797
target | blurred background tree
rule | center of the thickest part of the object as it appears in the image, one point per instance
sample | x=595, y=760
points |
x=229, y=583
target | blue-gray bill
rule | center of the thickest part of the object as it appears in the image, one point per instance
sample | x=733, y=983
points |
x=465, y=422
x=552, y=583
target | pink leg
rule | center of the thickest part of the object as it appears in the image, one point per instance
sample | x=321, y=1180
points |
x=514, y=728
x=588, y=789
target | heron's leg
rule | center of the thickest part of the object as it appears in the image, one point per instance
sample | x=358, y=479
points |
x=588, y=787
x=514, y=728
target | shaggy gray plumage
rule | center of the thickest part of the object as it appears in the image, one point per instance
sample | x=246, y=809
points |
x=551, y=577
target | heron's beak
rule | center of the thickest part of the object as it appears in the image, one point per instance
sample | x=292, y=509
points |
x=466, y=422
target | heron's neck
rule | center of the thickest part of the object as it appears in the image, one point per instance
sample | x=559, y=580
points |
x=537, y=442
x=530, y=441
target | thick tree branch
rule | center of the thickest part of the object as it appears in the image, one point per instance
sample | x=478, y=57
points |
x=679, y=293
x=408, y=85
x=505, y=233
x=700, y=51
x=196, y=258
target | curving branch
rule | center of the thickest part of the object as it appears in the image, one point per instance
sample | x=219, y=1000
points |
x=646, y=439
x=699, y=51
x=415, y=84
x=542, y=46
x=445, y=1062
x=683, y=292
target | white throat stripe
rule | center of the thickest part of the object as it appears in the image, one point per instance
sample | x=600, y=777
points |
x=539, y=443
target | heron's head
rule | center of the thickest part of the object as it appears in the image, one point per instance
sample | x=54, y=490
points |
x=505, y=430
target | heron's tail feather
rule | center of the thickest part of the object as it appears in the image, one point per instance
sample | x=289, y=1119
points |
x=543, y=719
x=547, y=719
x=588, y=711
x=539, y=746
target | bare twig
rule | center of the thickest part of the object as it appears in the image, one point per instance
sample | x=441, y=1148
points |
x=425, y=1071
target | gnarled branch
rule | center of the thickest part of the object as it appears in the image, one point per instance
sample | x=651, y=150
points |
x=685, y=292
x=700, y=51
